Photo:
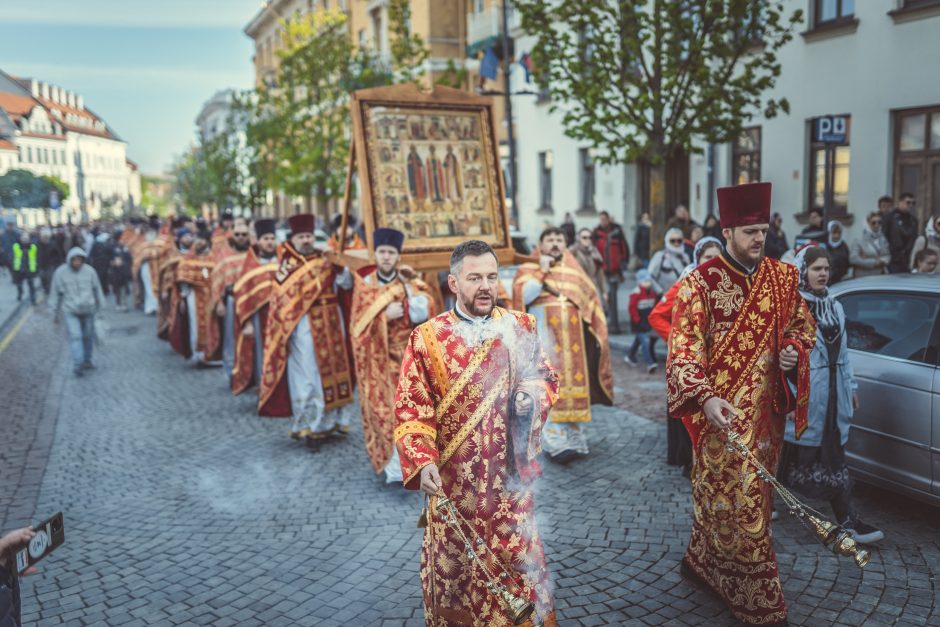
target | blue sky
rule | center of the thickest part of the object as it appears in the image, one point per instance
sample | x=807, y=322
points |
x=145, y=66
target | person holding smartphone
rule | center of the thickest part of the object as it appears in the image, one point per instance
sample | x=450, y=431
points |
x=10, y=603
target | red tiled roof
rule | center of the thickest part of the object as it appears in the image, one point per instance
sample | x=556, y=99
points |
x=16, y=105
x=44, y=136
x=65, y=110
x=5, y=145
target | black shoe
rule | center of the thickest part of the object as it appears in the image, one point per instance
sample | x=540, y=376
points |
x=563, y=457
x=78, y=372
x=862, y=533
x=88, y=366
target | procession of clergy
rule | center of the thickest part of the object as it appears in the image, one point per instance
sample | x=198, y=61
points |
x=458, y=396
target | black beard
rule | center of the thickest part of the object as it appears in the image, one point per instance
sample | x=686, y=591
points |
x=240, y=247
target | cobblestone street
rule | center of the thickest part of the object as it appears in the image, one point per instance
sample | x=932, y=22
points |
x=184, y=507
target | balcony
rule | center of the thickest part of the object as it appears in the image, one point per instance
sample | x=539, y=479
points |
x=485, y=28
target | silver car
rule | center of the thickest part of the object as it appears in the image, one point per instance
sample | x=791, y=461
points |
x=893, y=332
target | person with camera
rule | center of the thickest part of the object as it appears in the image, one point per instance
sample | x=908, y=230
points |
x=10, y=602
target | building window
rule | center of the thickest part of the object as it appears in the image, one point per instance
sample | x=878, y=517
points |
x=587, y=179
x=377, y=29
x=829, y=171
x=829, y=11
x=546, y=161
x=29, y=154
x=745, y=157
x=917, y=158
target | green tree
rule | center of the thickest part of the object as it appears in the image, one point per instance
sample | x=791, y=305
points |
x=303, y=129
x=191, y=179
x=643, y=80
x=58, y=184
x=153, y=195
x=22, y=189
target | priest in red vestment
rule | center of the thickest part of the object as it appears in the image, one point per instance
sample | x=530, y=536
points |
x=573, y=330
x=252, y=293
x=168, y=260
x=307, y=372
x=474, y=391
x=388, y=302
x=741, y=333
x=194, y=330
x=228, y=267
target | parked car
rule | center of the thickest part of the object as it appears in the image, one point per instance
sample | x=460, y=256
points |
x=893, y=332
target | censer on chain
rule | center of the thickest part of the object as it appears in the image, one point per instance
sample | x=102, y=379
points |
x=519, y=609
x=834, y=537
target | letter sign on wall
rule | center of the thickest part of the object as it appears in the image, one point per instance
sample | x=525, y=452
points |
x=831, y=129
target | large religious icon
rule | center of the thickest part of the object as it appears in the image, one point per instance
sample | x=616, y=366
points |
x=427, y=165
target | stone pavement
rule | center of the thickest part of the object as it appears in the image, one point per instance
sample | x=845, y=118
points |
x=183, y=507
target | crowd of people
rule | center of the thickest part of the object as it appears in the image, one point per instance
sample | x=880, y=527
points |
x=460, y=384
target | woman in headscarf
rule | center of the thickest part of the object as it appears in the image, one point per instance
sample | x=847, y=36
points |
x=678, y=443
x=667, y=264
x=870, y=254
x=930, y=238
x=838, y=253
x=814, y=465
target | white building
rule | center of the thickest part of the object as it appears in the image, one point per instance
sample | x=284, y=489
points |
x=55, y=134
x=866, y=66
x=214, y=116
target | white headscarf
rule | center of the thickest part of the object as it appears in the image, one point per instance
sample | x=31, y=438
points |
x=673, y=232
x=832, y=224
x=699, y=245
x=930, y=231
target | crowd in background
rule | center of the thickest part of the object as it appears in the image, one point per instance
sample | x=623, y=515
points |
x=891, y=242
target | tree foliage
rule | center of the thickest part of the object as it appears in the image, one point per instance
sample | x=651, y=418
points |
x=303, y=127
x=22, y=189
x=642, y=79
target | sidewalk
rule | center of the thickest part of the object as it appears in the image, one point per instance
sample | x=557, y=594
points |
x=9, y=308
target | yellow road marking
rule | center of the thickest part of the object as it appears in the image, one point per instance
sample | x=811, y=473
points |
x=16, y=329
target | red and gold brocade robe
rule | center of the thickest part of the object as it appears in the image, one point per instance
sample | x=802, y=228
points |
x=195, y=271
x=303, y=286
x=228, y=268
x=168, y=260
x=252, y=293
x=578, y=346
x=728, y=330
x=378, y=347
x=453, y=409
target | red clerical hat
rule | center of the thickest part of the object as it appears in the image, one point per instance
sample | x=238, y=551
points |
x=301, y=223
x=744, y=205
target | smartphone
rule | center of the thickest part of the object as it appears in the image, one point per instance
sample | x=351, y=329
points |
x=50, y=535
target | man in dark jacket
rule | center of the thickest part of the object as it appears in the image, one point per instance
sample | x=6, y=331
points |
x=51, y=256
x=8, y=237
x=641, y=239
x=775, y=245
x=900, y=228
x=612, y=245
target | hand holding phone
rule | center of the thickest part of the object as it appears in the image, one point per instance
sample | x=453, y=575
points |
x=48, y=536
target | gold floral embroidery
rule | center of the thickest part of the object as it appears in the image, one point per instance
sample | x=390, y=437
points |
x=727, y=296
